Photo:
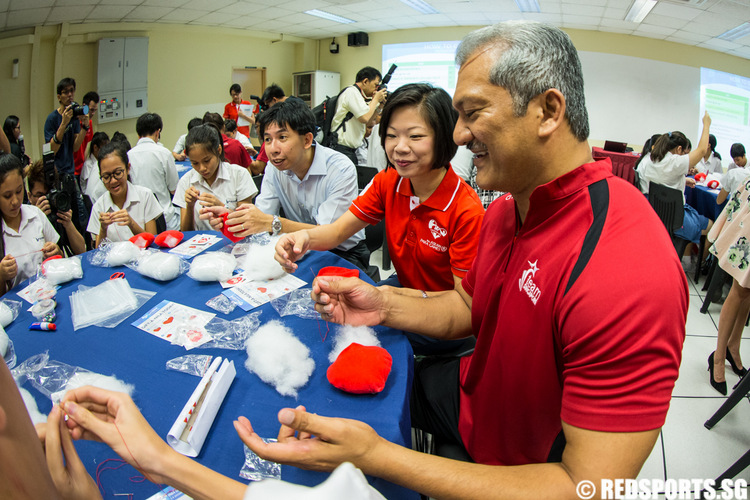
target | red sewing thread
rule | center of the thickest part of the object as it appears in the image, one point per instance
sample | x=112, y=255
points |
x=328, y=326
x=138, y=466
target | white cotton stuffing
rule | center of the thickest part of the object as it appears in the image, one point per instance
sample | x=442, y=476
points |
x=213, y=266
x=259, y=264
x=36, y=416
x=347, y=334
x=122, y=252
x=81, y=378
x=279, y=358
x=6, y=315
x=4, y=341
x=58, y=271
x=160, y=266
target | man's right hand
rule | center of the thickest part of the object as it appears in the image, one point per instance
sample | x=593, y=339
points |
x=348, y=301
x=67, y=115
x=380, y=95
x=42, y=203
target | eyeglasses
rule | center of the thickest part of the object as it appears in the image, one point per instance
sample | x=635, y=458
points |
x=116, y=175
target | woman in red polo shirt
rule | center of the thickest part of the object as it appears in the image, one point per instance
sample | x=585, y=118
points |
x=432, y=216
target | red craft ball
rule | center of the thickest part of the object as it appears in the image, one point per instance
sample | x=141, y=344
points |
x=360, y=369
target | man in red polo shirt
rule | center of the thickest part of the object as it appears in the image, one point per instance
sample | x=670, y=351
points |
x=576, y=356
x=91, y=99
x=233, y=111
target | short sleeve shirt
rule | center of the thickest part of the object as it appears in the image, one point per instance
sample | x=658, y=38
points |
x=232, y=185
x=670, y=172
x=25, y=245
x=350, y=100
x=64, y=156
x=431, y=242
x=152, y=166
x=140, y=203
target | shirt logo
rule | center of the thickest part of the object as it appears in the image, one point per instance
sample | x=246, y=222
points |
x=437, y=231
x=526, y=283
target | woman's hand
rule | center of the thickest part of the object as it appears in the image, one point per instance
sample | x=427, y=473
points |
x=706, y=120
x=191, y=196
x=121, y=218
x=71, y=479
x=8, y=268
x=209, y=200
x=50, y=249
x=290, y=248
x=213, y=215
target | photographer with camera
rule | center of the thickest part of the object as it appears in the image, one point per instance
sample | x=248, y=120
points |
x=38, y=190
x=65, y=136
x=360, y=101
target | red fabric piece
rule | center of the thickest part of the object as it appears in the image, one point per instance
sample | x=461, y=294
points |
x=713, y=184
x=142, y=240
x=700, y=177
x=225, y=230
x=339, y=271
x=169, y=239
x=360, y=369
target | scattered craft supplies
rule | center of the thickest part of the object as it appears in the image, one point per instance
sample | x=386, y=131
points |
x=195, y=245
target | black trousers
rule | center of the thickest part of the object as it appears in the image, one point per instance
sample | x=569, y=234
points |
x=350, y=153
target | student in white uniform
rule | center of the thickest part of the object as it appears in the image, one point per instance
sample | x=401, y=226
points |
x=668, y=164
x=710, y=163
x=739, y=160
x=212, y=182
x=27, y=236
x=91, y=184
x=126, y=209
x=178, y=153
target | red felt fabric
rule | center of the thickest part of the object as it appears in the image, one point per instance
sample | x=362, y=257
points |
x=225, y=230
x=360, y=369
x=169, y=239
x=142, y=240
x=339, y=271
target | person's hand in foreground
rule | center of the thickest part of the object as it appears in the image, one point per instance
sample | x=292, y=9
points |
x=71, y=479
x=313, y=442
x=213, y=216
x=246, y=220
x=290, y=248
x=348, y=301
x=112, y=417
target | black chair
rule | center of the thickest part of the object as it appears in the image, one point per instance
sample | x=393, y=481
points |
x=365, y=175
x=161, y=224
x=668, y=205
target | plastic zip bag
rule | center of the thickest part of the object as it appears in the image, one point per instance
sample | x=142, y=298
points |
x=9, y=310
x=298, y=303
x=106, y=304
x=192, y=364
x=231, y=334
x=160, y=266
x=114, y=253
x=58, y=271
x=256, y=468
x=221, y=303
x=212, y=266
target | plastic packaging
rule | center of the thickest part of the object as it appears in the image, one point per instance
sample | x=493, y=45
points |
x=221, y=303
x=9, y=310
x=106, y=304
x=297, y=303
x=192, y=364
x=7, y=351
x=53, y=378
x=212, y=266
x=259, y=263
x=256, y=468
x=44, y=310
x=58, y=271
x=114, y=253
x=159, y=265
x=231, y=334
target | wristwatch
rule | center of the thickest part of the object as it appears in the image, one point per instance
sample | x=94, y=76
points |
x=276, y=225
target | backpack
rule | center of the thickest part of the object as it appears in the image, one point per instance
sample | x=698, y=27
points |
x=324, y=113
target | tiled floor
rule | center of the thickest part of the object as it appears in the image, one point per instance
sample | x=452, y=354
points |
x=686, y=449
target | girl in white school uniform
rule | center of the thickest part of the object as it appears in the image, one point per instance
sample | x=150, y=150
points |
x=710, y=163
x=91, y=184
x=125, y=209
x=668, y=164
x=27, y=235
x=212, y=182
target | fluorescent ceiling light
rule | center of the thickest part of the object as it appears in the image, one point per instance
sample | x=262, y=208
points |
x=421, y=6
x=736, y=33
x=329, y=16
x=639, y=10
x=528, y=5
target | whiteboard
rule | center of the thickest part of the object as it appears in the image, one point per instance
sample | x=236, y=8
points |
x=629, y=99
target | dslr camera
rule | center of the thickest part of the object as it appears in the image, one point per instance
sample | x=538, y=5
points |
x=60, y=189
x=386, y=79
x=79, y=110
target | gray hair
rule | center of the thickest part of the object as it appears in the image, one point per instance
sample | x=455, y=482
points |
x=536, y=57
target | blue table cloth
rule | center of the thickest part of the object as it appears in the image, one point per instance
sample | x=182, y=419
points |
x=703, y=200
x=139, y=358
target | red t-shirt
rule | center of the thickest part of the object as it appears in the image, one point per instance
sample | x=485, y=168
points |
x=230, y=112
x=579, y=315
x=262, y=156
x=79, y=157
x=430, y=242
x=235, y=152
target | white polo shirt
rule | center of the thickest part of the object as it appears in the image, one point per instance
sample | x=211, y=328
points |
x=141, y=205
x=179, y=146
x=33, y=232
x=91, y=185
x=232, y=185
x=152, y=166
